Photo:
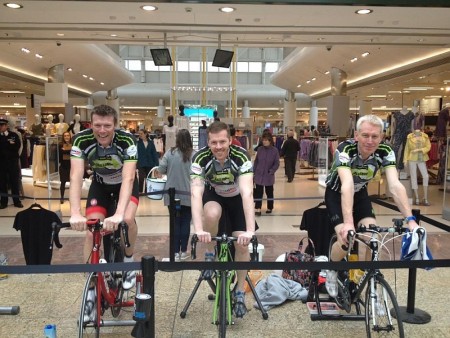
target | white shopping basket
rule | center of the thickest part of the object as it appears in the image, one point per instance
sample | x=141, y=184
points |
x=155, y=184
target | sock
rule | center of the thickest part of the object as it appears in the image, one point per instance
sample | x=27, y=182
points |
x=127, y=259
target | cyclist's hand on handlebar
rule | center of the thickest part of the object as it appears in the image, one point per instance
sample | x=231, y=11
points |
x=412, y=225
x=203, y=236
x=78, y=222
x=112, y=223
x=343, y=232
x=245, y=238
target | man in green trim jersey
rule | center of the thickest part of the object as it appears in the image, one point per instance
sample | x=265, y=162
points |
x=355, y=164
x=222, y=192
x=112, y=155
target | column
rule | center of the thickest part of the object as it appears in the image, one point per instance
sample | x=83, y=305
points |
x=112, y=100
x=365, y=107
x=245, y=110
x=56, y=91
x=338, y=104
x=161, y=109
x=314, y=114
x=30, y=111
x=290, y=110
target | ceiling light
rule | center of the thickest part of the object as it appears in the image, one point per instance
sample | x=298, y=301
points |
x=113, y=35
x=39, y=56
x=102, y=83
x=149, y=8
x=25, y=50
x=418, y=88
x=313, y=79
x=354, y=59
x=11, y=92
x=13, y=5
x=327, y=72
x=394, y=91
x=377, y=96
x=60, y=34
x=308, y=82
x=227, y=9
x=298, y=86
x=85, y=76
x=365, y=54
x=364, y=11
x=91, y=78
x=69, y=69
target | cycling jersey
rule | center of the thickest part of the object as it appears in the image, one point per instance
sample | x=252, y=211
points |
x=224, y=179
x=347, y=156
x=107, y=162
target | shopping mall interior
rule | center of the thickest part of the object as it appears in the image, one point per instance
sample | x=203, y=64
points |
x=293, y=64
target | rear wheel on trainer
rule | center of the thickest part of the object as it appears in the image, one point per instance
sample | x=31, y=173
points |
x=383, y=318
x=88, y=321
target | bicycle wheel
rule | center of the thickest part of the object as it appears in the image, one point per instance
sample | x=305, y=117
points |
x=383, y=318
x=223, y=320
x=89, y=316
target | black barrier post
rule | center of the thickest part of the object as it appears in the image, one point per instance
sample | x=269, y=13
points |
x=172, y=215
x=147, y=330
x=410, y=314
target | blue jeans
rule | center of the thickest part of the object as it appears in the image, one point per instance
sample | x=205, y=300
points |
x=182, y=229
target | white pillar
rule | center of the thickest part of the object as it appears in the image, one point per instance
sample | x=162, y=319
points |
x=56, y=91
x=338, y=110
x=290, y=111
x=313, y=114
x=245, y=110
x=161, y=109
x=112, y=100
x=365, y=107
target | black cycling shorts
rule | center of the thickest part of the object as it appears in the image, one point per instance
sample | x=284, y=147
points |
x=362, y=207
x=233, y=217
x=99, y=198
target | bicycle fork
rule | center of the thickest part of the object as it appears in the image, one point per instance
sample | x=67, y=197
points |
x=378, y=303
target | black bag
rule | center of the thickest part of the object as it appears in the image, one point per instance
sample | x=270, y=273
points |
x=300, y=276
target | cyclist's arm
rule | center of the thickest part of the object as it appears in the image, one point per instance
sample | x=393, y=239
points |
x=77, y=220
x=399, y=195
x=246, y=190
x=128, y=176
x=347, y=199
x=197, y=189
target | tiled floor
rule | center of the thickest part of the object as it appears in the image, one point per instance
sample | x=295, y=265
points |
x=55, y=298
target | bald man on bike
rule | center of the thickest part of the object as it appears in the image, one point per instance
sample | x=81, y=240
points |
x=355, y=164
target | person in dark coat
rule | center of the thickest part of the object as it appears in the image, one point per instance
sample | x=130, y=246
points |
x=265, y=165
x=289, y=150
x=147, y=158
x=10, y=143
x=64, y=162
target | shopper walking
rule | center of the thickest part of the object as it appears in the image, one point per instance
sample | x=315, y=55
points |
x=148, y=158
x=176, y=163
x=64, y=162
x=265, y=165
x=289, y=151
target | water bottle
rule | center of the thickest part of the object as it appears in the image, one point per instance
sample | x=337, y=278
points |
x=50, y=331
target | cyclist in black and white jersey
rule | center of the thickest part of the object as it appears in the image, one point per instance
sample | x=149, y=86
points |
x=112, y=155
x=222, y=179
x=355, y=164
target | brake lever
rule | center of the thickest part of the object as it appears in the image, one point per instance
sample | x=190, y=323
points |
x=194, y=241
x=124, y=230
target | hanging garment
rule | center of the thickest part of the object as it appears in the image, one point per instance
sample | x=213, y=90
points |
x=317, y=223
x=35, y=226
x=402, y=129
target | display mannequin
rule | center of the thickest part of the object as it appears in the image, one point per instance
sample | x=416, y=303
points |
x=37, y=129
x=182, y=121
x=50, y=127
x=402, y=125
x=416, y=154
x=61, y=126
x=442, y=122
x=419, y=119
x=76, y=126
x=170, y=132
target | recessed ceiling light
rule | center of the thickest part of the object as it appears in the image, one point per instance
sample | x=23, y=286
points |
x=102, y=83
x=308, y=82
x=149, y=8
x=25, y=50
x=354, y=59
x=113, y=35
x=85, y=76
x=299, y=86
x=13, y=5
x=313, y=79
x=227, y=9
x=91, y=78
x=365, y=54
x=327, y=72
x=69, y=69
x=364, y=11
x=39, y=56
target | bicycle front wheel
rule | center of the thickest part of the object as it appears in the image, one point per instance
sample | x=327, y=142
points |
x=89, y=321
x=383, y=318
x=223, y=314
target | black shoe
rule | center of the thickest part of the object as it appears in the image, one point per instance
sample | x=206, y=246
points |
x=268, y=211
x=3, y=206
x=18, y=205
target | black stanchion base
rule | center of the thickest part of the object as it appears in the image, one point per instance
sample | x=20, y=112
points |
x=418, y=317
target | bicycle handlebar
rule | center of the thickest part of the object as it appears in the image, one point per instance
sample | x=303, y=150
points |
x=224, y=239
x=92, y=224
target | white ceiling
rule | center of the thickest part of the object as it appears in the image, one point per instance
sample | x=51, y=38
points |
x=392, y=35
